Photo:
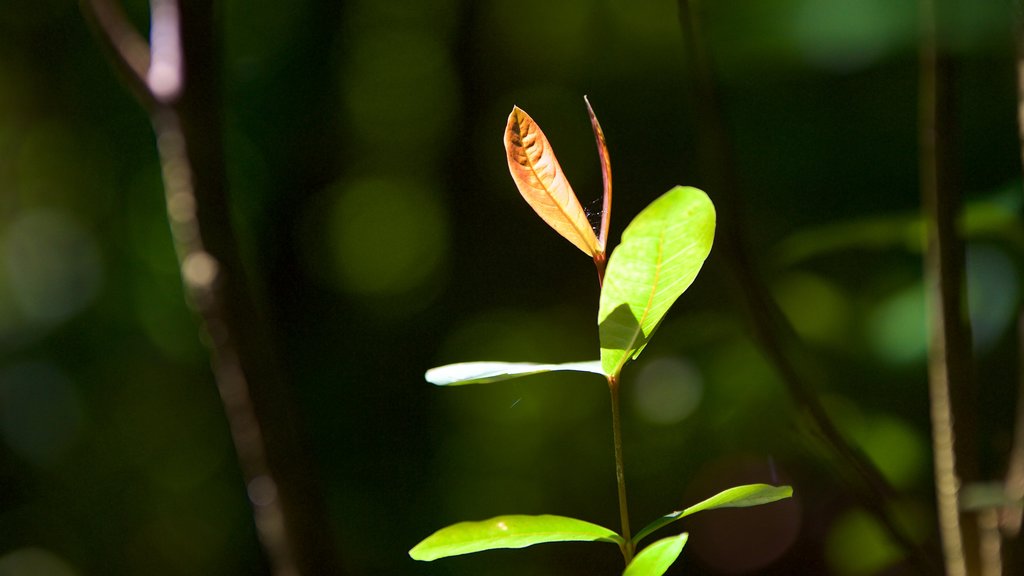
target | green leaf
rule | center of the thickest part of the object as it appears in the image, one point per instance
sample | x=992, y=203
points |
x=515, y=531
x=661, y=252
x=738, y=497
x=656, y=558
x=487, y=372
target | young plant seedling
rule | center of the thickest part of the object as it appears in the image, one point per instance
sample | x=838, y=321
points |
x=662, y=251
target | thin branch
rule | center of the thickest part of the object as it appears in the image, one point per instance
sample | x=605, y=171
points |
x=1010, y=516
x=771, y=330
x=126, y=48
x=949, y=349
x=180, y=90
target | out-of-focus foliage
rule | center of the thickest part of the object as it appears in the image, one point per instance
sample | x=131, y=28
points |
x=385, y=236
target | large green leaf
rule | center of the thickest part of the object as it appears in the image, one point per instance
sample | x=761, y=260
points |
x=487, y=372
x=661, y=252
x=515, y=531
x=738, y=497
x=656, y=559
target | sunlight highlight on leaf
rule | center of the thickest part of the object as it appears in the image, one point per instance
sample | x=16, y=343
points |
x=737, y=497
x=513, y=531
x=661, y=252
x=656, y=559
x=540, y=180
x=487, y=372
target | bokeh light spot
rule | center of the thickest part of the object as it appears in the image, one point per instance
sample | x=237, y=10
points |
x=858, y=545
x=400, y=92
x=896, y=327
x=386, y=237
x=896, y=447
x=843, y=35
x=52, y=264
x=41, y=412
x=667, y=390
x=34, y=562
x=993, y=290
x=742, y=540
x=817, y=309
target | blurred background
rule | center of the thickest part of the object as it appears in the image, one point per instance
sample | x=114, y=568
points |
x=385, y=236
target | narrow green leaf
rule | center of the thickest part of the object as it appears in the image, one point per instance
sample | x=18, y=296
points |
x=656, y=559
x=487, y=372
x=515, y=531
x=661, y=252
x=737, y=497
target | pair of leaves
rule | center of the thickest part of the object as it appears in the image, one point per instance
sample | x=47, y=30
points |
x=661, y=252
x=520, y=531
x=540, y=180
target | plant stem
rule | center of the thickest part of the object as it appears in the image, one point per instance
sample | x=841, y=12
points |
x=600, y=262
x=620, y=474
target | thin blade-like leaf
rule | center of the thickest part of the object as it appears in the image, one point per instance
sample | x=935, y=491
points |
x=737, y=497
x=540, y=180
x=514, y=531
x=487, y=372
x=606, y=177
x=656, y=559
x=661, y=252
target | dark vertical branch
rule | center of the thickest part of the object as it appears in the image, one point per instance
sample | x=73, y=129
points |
x=771, y=329
x=181, y=89
x=1010, y=516
x=125, y=47
x=949, y=351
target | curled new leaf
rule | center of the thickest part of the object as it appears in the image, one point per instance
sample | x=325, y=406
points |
x=540, y=180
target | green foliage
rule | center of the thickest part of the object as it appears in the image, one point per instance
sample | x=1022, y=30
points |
x=737, y=497
x=656, y=559
x=514, y=531
x=661, y=252
x=487, y=372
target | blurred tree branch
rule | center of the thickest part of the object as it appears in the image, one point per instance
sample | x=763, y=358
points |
x=1010, y=516
x=176, y=79
x=950, y=371
x=771, y=329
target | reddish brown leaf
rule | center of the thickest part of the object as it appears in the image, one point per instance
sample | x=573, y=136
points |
x=540, y=180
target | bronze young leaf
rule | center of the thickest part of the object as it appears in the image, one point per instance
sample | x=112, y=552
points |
x=540, y=180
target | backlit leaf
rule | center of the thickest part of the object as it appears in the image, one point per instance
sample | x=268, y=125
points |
x=487, y=372
x=514, y=531
x=661, y=252
x=737, y=497
x=540, y=180
x=656, y=559
x=606, y=176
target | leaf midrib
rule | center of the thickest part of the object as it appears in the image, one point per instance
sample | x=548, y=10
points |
x=558, y=169
x=650, y=298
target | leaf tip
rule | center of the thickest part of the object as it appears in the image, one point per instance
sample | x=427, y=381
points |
x=416, y=553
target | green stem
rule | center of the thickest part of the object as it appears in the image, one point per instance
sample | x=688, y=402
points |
x=620, y=474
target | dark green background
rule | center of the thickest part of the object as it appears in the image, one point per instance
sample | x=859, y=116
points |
x=386, y=236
